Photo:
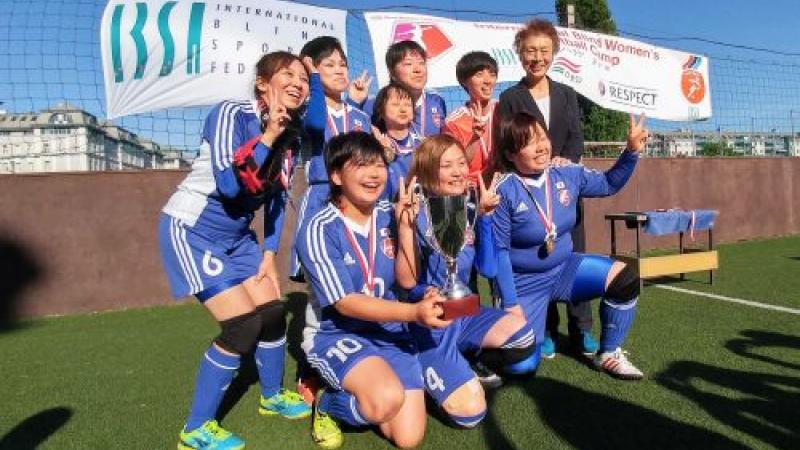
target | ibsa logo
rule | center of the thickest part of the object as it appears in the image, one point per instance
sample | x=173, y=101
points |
x=567, y=68
x=428, y=35
x=693, y=84
x=193, y=32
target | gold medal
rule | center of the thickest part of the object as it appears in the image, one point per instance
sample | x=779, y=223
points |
x=549, y=244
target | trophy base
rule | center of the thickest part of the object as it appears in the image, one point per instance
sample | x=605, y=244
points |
x=466, y=306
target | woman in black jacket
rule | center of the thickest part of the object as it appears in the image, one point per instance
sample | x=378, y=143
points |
x=556, y=105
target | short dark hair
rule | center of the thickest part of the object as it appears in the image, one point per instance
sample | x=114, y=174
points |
x=513, y=134
x=356, y=146
x=322, y=47
x=472, y=63
x=399, y=50
x=379, y=107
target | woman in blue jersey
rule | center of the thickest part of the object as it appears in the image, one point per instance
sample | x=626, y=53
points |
x=536, y=262
x=210, y=252
x=356, y=332
x=328, y=57
x=500, y=338
x=393, y=118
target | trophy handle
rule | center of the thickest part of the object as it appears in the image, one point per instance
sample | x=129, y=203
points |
x=472, y=197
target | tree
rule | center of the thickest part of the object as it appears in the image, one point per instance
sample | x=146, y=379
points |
x=712, y=148
x=599, y=124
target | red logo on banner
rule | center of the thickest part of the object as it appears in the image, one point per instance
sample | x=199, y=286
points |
x=429, y=35
x=693, y=84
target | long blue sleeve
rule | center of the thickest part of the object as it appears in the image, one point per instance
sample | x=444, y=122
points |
x=314, y=120
x=274, y=215
x=505, y=280
x=603, y=184
x=486, y=255
x=367, y=106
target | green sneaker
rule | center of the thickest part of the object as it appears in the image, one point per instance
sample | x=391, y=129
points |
x=209, y=436
x=324, y=430
x=285, y=403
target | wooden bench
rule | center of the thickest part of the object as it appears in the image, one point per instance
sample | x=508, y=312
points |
x=687, y=259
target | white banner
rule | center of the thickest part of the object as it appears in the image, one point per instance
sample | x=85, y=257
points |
x=616, y=73
x=163, y=54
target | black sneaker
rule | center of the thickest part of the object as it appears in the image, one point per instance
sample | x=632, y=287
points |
x=488, y=379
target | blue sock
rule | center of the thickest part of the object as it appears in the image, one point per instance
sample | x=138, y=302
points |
x=270, y=358
x=616, y=319
x=216, y=372
x=343, y=406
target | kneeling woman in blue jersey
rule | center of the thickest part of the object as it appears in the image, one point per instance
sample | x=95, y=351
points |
x=536, y=264
x=209, y=250
x=440, y=165
x=356, y=334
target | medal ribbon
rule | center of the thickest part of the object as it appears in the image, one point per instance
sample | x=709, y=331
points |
x=484, y=147
x=546, y=218
x=332, y=123
x=423, y=115
x=367, y=267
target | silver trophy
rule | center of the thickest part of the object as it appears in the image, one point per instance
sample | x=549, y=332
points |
x=448, y=220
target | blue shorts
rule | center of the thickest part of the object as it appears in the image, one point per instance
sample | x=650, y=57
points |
x=314, y=199
x=579, y=279
x=334, y=354
x=441, y=351
x=200, y=266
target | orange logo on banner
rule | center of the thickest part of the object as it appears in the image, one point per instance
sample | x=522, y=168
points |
x=693, y=86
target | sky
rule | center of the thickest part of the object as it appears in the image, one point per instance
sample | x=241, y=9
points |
x=751, y=89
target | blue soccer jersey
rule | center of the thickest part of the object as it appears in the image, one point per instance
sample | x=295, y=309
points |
x=401, y=165
x=335, y=268
x=337, y=122
x=519, y=226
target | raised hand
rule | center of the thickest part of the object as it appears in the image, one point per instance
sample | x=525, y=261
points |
x=489, y=198
x=309, y=65
x=479, y=119
x=637, y=134
x=359, y=88
x=429, y=309
x=277, y=119
x=389, y=151
x=407, y=206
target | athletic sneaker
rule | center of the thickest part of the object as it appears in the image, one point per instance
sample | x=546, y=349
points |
x=285, y=403
x=324, y=430
x=589, y=345
x=548, y=348
x=617, y=365
x=209, y=436
x=307, y=386
x=487, y=377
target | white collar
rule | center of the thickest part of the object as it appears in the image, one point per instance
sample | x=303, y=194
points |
x=537, y=183
x=337, y=112
x=363, y=230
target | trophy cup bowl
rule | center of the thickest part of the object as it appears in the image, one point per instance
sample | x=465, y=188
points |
x=448, y=220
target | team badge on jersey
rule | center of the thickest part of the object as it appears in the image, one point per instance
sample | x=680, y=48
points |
x=436, y=116
x=384, y=232
x=388, y=248
x=563, y=197
x=560, y=185
x=357, y=125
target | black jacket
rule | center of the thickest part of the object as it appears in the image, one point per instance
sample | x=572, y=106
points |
x=566, y=134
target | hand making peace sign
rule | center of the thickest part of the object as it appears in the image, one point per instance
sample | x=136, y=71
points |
x=489, y=198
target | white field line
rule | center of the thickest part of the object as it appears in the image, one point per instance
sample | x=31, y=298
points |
x=730, y=299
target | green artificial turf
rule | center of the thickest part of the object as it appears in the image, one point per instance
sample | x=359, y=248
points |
x=718, y=376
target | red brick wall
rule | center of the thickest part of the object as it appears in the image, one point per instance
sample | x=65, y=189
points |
x=87, y=241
